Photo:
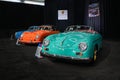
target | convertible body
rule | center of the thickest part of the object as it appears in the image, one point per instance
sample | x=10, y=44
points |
x=37, y=36
x=78, y=42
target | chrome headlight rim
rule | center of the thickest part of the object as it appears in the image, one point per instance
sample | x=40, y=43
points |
x=83, y=46
x=46, y=42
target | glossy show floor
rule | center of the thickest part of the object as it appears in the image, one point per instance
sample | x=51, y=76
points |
x=19, y=63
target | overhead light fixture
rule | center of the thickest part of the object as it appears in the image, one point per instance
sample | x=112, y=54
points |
x=35, y=3
x=12, y=0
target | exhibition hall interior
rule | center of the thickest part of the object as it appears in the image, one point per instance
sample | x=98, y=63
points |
x=59, y=40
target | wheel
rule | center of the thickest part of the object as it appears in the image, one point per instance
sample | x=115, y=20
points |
x=94, y=55
x=17, y=42
x=12, y=37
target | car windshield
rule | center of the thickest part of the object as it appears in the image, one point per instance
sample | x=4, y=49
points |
x=82, y=28
x=33, y=28
x=45, y=28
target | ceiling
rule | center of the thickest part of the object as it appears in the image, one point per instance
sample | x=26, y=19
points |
x=33, y=2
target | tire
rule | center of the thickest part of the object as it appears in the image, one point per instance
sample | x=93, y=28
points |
x=17, y=42
x=94, y=55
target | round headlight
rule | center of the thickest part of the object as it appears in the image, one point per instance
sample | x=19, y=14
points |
x=37, y=36
x=21, y=35
x=46, y=42
x=83, y=46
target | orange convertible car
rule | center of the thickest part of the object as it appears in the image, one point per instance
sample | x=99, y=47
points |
x=38, y=35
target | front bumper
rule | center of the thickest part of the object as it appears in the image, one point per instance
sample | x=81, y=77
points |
x=65, y=57
x=29, y=41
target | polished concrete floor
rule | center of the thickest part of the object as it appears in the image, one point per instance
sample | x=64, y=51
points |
x=19, y=63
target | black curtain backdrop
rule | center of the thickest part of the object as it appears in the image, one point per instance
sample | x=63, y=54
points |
x=19, y=16
x=105, y=17
x=80, y=7
x=76, y=12
x=110, y=19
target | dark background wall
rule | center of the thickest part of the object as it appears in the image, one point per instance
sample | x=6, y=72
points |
x=106, y=18
x=80, y=8
x=18, y=16
x=76, y=12
x=14, y=16
x=110, y=18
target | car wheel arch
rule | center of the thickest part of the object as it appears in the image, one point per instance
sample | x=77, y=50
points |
x=94, y=54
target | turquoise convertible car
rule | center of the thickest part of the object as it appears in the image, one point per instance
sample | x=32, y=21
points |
x=78, y=42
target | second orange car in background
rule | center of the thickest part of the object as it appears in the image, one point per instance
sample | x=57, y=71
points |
x=38, y=35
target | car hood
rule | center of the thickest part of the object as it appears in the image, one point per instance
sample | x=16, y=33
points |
x=35, y=32
x=69, y=39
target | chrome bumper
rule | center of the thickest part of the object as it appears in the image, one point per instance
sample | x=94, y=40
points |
x=64, y=57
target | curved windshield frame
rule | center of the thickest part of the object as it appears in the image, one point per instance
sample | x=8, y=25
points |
x=82, y=28
x=44, y=27
x=33, y=28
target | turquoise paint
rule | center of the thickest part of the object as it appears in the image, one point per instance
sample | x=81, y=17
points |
x=67, y=44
